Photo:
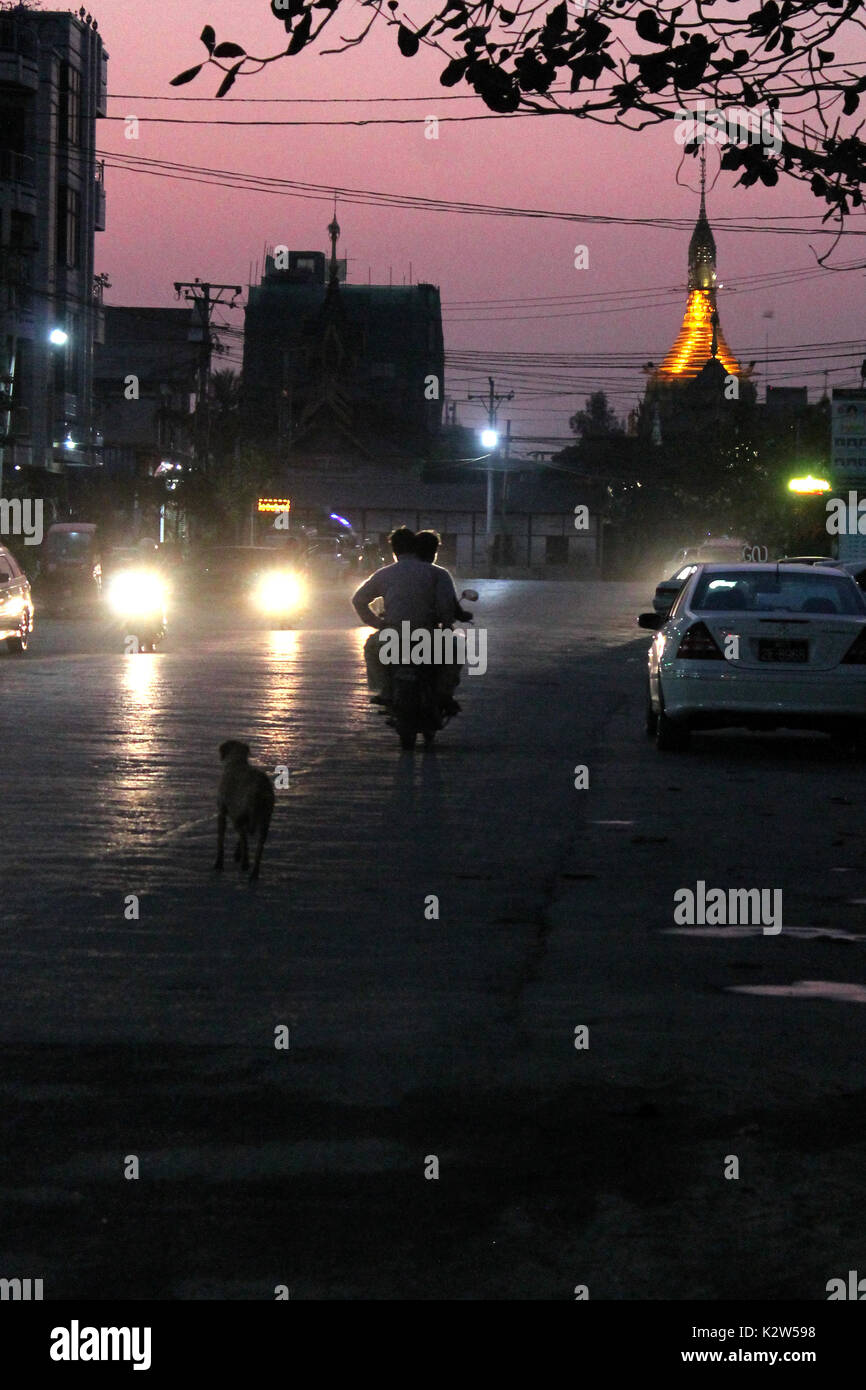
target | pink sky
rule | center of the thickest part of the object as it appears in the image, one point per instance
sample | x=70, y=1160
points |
x=161, y=230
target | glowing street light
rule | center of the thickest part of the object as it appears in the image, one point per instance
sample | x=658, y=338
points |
x=808, y=485
x=489, y=438
x=58, y=336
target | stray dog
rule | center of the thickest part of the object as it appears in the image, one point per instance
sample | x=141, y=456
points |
x=246, y=795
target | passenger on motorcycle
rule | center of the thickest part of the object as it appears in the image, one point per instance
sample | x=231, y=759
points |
x=410, y=590
x=427, y=544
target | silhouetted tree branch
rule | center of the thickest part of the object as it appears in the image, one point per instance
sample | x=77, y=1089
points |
x=774, y=66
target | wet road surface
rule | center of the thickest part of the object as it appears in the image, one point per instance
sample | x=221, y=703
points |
x=145, y=1026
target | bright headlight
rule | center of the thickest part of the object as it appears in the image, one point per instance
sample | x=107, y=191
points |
x=280, y=592
x=136, y=593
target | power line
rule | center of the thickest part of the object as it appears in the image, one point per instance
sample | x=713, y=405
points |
x=563, y=90
x=324, y=192
x=359, y=121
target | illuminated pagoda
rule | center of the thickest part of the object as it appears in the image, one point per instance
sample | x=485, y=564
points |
x=700, y=353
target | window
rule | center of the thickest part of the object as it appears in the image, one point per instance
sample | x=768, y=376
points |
x=775, y=591
x=69, y=545
x=21, y=230
x=69, y=107
x=68, y=227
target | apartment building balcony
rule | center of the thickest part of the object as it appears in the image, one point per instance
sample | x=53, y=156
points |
x=102, y=86
x=17, y=168
x=19, y=54
x=16, y=282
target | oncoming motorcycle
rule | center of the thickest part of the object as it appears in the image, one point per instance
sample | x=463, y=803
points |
x=138, y=597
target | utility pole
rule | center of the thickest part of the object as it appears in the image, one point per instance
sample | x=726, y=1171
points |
x=767, y=314
x=506, y=454
x=493, y=401
x=205, y=297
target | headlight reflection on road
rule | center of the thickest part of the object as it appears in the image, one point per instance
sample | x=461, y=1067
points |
x=283, y=643
x=140, y=679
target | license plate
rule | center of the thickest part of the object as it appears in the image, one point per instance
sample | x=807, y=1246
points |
x=777, y=649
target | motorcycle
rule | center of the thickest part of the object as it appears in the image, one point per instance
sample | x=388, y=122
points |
x=415, y=703
x=281, y=595
x=138, y=597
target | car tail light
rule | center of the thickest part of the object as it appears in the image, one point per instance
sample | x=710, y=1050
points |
x=698, y=644
x=856, y=653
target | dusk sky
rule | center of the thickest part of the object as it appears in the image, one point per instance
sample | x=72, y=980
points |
x=165, y=229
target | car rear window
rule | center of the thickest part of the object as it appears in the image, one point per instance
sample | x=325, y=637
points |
x=69, y=543
x=771, y=591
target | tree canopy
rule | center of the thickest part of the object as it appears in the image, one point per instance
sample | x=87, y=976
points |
x=631, y=63
x=597, y=420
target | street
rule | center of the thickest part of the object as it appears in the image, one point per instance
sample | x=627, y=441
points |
x=143, y=994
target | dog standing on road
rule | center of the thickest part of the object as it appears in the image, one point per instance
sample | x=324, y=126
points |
x=246, y=797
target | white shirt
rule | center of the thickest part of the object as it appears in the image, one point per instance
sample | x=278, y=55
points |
x=411, y=590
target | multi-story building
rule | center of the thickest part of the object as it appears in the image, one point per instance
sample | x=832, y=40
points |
x=335, y=371
x=53, y=87
x=145, y=380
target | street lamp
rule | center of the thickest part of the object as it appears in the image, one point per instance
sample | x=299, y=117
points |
x=489, y=438
x=58, y=336
x=808, y=486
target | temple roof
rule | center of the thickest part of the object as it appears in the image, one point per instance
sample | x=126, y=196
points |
x=693, y=347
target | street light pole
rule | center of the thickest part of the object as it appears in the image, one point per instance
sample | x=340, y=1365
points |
x=490, y=439
x=204, y=298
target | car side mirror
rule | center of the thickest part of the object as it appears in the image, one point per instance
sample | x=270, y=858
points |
x=471, y=595
x=652, y=621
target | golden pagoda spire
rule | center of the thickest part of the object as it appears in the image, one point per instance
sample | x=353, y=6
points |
x=702, y=247
x=700, y=338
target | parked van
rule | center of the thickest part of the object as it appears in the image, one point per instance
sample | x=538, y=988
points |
x=70, y=568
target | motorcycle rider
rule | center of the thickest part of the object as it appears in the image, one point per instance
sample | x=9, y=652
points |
x=405, y=591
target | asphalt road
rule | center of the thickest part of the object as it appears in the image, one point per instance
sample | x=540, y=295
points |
x=411, y=1037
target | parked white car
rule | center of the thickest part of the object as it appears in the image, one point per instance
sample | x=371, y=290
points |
x=16, y=604
x=760, y=646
